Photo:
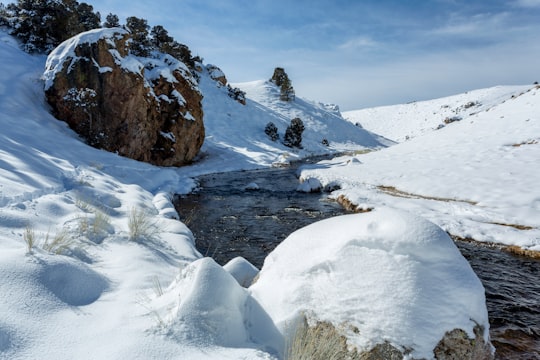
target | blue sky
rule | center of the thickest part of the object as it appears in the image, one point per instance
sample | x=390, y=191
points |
x=357, y=54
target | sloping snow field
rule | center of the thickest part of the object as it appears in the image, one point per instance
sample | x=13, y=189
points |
x=476, y=178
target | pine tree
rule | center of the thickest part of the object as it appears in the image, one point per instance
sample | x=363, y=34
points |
x=111, y=21
x=138, y=27
x=281, y=79
x=272, y=131
x=293, y=133
x=41, y=25
x=160, y=37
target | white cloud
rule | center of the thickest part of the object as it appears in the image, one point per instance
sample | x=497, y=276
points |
x=528, y=3
x=359, y=42
x=424, y=77
x=479, y=25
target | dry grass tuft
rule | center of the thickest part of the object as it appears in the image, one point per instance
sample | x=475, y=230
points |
x=350, y=206
x=60, y=243
x=517, y=250
x=29, y=237
x=319, y=342
x=141, y=225
x=390, y=190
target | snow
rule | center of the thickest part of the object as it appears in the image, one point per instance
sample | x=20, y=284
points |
x=476, y=178
x=92, y=294
x=98, y=294
x=406, y=121
x=66, y=50
x=392, y=276
x=252, y=186
x=242, y=270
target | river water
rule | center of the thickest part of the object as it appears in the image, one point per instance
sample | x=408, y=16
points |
x=229, y=220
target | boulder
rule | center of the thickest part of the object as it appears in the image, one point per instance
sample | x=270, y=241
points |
x=380, y=285
x=147, y=109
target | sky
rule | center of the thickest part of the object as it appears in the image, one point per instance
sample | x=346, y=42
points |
x=357, y=54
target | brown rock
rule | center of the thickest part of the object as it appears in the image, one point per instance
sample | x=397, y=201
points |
x=216, y=74
x=145, y=109
x=456, y=345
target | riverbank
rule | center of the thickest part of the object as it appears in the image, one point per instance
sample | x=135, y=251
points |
x=229, y=220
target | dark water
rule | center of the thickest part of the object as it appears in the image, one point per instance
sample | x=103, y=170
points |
x=230, y=221
x=512, y=286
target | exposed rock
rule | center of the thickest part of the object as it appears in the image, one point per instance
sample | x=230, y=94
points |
x=147, y=109
x=456, y=345
x=216, y=74
x=323, y=340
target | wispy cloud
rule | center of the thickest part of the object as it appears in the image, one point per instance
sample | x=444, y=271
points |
x=528, y=3
x=359, y=42
x=478, y=25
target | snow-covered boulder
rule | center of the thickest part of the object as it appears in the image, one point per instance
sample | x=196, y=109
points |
x=206, y=305
x=252, y=186
x=242, y=270
x=309, y=185
x=386, y=281
x=147, y=109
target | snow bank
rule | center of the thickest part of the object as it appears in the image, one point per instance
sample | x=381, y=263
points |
x=205, y=306
x=391, y=276
x=476, y=178
x=242, y=270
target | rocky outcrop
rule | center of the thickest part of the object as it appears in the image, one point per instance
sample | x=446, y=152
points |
x=216, y=74
x=147, y=109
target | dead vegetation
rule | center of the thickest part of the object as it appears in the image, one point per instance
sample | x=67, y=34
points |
x=515, y=226
x=528, y=142
x=350, y=206
x=390, y=190
x=517, y=250
x=512, y=249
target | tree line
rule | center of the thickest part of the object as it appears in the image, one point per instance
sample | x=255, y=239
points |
x=41, y=25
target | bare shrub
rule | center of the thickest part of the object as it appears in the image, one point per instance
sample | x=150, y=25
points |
x=60, y=243
x=29, y=237
x=141, y=225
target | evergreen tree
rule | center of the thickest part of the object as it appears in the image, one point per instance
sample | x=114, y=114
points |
x=138, y=27
x=272, y=131
x=111, y=21
x=41, y=25
x=281, y=79
x=160, y=37
x=293, y=133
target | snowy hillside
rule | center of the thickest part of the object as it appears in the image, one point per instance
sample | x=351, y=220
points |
x=89, y=240
x=476, y=178
x=406, y=121
x=235, y=132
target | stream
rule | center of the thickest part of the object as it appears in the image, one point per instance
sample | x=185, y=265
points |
x=229, y=220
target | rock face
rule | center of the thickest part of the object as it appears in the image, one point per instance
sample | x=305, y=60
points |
x=147, y=109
